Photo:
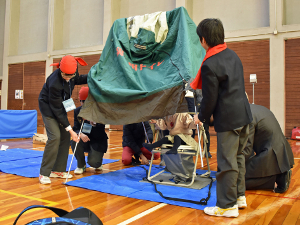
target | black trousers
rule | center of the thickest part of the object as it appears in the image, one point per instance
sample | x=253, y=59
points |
x=95, y=157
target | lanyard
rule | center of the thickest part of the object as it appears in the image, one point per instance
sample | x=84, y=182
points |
x=64, y=89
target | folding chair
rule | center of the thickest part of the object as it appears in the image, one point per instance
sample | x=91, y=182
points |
x=183, y=149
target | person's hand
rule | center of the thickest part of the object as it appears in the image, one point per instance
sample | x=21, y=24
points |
x=93, y=123
x=74, y=136
x=84, y=137
x=144, y=159
x=152, y=121
x=196, y=120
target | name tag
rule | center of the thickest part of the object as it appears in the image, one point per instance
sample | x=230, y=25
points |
x=86, y=128
x=69, y=105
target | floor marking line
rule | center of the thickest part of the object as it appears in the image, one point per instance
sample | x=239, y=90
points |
x=138, y=216
x=29, y=197
x=270, y=195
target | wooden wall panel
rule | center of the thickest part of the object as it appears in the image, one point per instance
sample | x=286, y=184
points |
x=292, y=85
x=255, y=56
x=15, y=82
x=34, y=79
x=90, y=60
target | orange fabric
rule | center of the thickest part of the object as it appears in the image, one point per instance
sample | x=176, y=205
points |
x=197, y=82
x=83, y=93
x=68, y=64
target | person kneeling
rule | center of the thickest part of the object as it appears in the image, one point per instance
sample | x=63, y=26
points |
x=133, y=139
x=269, y=157
x=93, y=139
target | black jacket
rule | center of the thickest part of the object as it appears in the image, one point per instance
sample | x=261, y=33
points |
x=223, y=92
x=134, y=136
x=97, y=133
x=54, y=92
x=273, y=152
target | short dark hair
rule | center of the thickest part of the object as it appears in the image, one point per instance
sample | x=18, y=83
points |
x=212, y=31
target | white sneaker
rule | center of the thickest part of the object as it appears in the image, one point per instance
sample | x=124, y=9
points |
x=44, y=179
x=241, y=201
x=80, y=170
x=100, y=168
x=217, y=211
x=60, y=175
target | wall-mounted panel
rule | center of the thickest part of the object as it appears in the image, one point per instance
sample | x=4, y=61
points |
x=255, y=57
x=34, y=79
x=235, y=14
x=291, y=11
x=136, y=7
x=2, y=23
x=292, y=85
x=33, y=26
x=15, y=82
x=78, y=23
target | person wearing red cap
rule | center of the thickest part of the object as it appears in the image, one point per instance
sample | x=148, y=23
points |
x=54, y=103
x=93, y=139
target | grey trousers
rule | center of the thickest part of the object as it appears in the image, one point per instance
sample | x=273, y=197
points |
x=231, y=166
x=57, y=147
x=95, y=158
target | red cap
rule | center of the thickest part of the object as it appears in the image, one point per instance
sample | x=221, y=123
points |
x=68, y=64
x=83, y=93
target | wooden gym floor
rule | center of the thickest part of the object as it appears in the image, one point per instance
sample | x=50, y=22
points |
x=16, y=193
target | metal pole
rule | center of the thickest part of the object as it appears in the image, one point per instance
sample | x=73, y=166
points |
x=74, y=151
x=199, y=137
x=253, y=94
x=145, y=132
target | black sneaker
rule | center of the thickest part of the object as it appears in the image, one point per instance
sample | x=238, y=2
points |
x=283, y=182
x=135, y=162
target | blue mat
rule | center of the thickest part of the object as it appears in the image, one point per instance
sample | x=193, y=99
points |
x=19, y=162
x=126, y=183
x=18, y=153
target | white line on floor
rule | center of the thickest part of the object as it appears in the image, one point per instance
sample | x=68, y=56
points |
x=143, y=214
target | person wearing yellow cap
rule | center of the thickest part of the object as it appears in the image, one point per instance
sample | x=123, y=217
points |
x=93, y=139
x=54, y=103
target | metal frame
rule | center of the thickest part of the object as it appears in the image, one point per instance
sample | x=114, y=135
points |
x=183, y=149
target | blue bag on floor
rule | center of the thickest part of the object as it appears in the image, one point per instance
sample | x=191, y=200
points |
x=79, y=216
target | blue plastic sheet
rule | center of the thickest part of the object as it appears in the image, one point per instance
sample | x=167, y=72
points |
x=126, y=183
x=17, y=123
x=18, y=161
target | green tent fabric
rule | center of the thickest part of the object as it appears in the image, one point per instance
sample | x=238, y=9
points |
x=137, y=79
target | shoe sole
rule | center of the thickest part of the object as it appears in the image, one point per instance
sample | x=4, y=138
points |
x=78, y=173
x=242, y=206
x=229, y=216
x=45, y=182
x=56, y=176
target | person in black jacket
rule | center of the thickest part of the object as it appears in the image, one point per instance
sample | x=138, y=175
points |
x=53, y=106
x=221, y=79
x=269, y=157
x=133, y=139
x=93, y=139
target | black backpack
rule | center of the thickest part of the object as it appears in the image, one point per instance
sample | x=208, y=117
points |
x=79, y=216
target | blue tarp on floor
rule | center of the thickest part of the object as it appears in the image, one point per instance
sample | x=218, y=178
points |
x=18, y=161
x=126, y=183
